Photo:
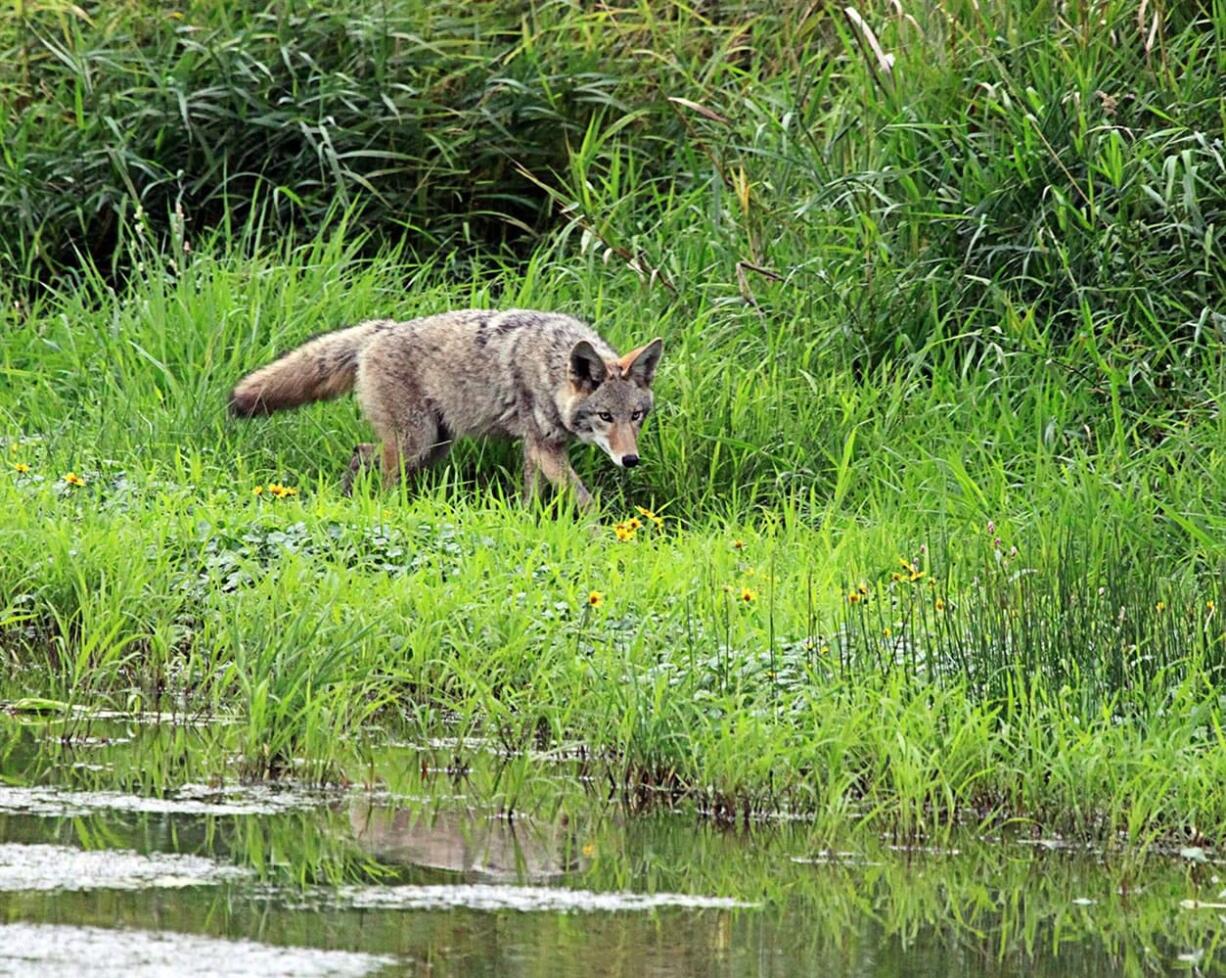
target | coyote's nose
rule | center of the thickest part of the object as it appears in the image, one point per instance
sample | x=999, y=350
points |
x=630, y=461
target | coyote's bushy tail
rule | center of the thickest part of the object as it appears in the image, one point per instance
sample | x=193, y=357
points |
x=321, y=368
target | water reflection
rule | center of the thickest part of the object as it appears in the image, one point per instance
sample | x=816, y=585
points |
x=850, y=906
x=477, y=845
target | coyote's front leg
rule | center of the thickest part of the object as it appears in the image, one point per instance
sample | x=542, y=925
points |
x=550, y=460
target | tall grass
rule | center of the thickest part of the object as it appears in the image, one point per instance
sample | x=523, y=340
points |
x=421, y=113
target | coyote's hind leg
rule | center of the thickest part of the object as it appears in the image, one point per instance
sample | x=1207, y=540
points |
x=410, y=428
x=364, y=457
x=420, y=439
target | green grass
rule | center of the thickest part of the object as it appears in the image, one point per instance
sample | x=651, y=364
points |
x=1029, y=672
x=964, y=313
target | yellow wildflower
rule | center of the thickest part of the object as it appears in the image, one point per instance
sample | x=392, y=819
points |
x=257, y=491
x=748, y=595
x=862, y=587
x=896, y=577
x=647, y=514
x=1160, y=607
x=1210, y=605
x=887, y=632
x=634, y=523
x=73, y=479
x=738, y=544
x=855, y=597
x=939, y=605
x=623, y=532
x=916, y=575
x=595, y=599
x=21, y=467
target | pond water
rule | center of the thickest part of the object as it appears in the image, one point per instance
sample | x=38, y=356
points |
x=111, y=866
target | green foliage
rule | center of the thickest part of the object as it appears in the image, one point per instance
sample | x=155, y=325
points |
x=901, y=299
x=1007, y=164
x=191, y=117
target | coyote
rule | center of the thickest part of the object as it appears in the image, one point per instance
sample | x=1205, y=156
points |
x=538, y=376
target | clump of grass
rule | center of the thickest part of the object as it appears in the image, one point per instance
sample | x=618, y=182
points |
x=1100, y=622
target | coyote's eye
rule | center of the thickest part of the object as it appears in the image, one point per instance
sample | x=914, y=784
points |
x=606, y=417
x=636, y=415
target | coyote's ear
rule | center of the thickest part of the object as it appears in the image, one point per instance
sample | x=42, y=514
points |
x=587, y=370
x=640, y=365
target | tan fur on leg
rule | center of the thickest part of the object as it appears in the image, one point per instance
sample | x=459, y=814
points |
x=532, y=477
x=551, y=461
x=393, y=458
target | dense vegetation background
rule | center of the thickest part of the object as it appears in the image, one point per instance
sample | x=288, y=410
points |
x=1054, y=158
x=937, y=281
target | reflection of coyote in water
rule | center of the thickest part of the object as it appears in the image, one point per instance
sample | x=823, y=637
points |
x=477, y=845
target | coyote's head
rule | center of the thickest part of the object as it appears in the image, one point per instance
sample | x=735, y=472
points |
x=611, y=398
